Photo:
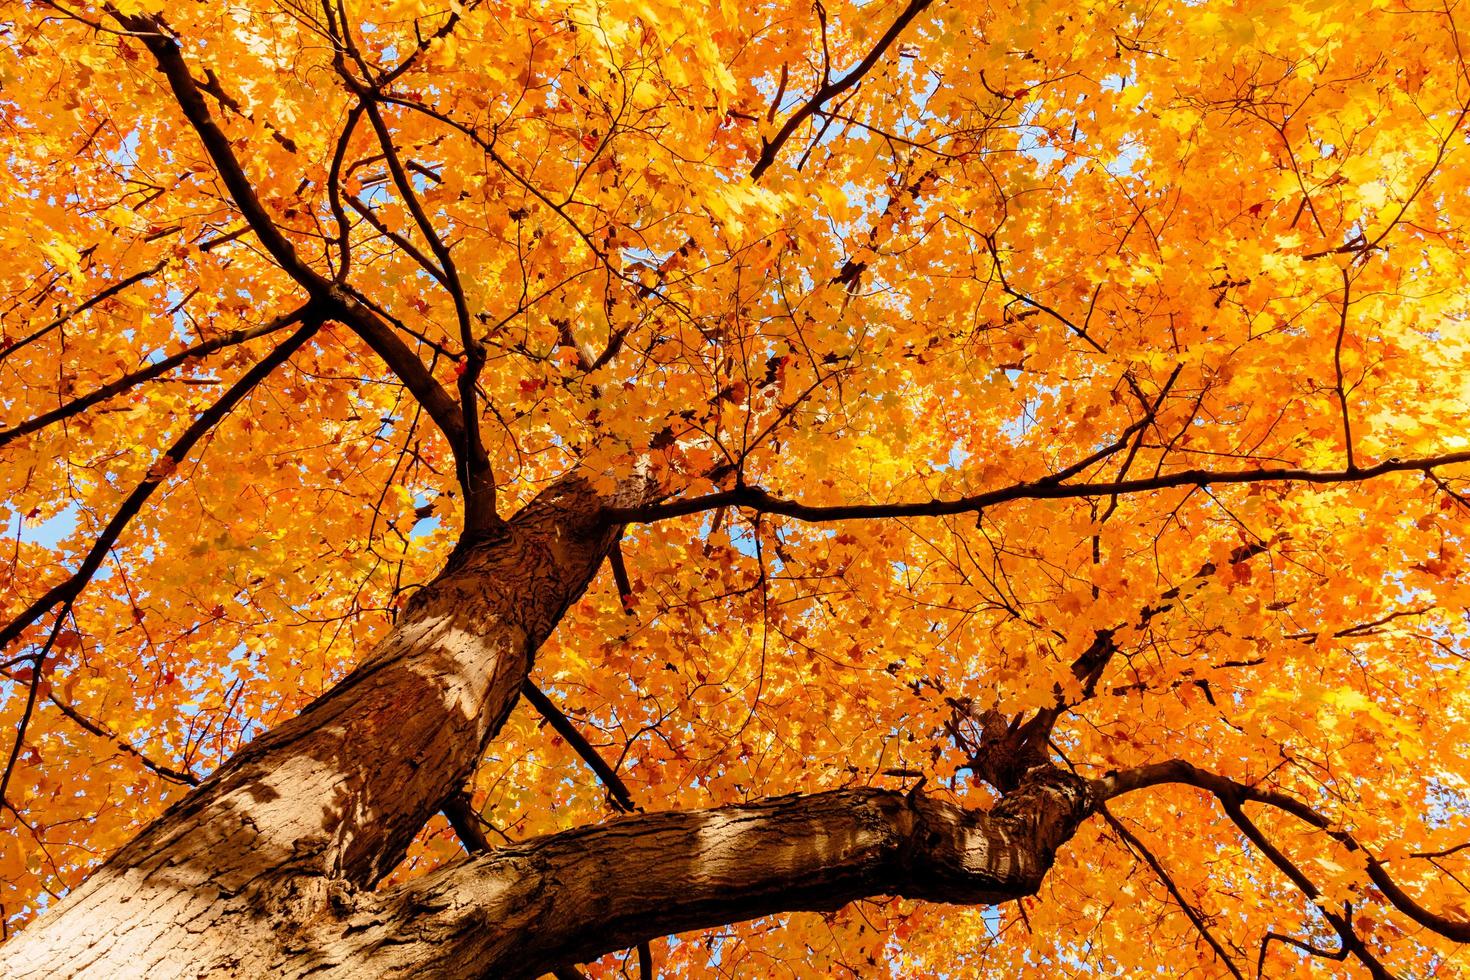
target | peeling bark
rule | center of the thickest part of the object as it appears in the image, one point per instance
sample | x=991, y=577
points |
x=267, y=869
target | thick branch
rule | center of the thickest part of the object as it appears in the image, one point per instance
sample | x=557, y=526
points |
x=578, y=895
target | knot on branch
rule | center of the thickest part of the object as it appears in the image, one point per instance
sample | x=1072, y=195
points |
x=1006, y=753
x=965, y=856
x=1000, y=751
x=1049, y=802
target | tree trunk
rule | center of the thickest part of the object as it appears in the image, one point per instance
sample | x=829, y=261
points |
x=267, y=869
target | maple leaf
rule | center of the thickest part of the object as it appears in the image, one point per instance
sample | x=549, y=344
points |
x=1039, y=416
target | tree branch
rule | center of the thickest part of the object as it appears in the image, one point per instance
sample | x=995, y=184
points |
x=460, y=813
x=476, y=476
x=1342, y=391
x=1047, y=488
x=829, y=90
x=114, y=388
x=1193, y=914
x=1342, y=924
x=65, y=593
x=109, y=291
x=368, y=325
x=575, y=896
x=181, y=776
x=1233, y=794
x=170, y=58
x=67, y=590
x=407, y=247
x=617, y=790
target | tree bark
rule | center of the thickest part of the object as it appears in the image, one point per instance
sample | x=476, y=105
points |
x=267, y=868
x=521, y=911
x=222, y=881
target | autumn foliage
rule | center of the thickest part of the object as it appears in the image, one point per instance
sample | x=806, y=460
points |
x=1069, y=383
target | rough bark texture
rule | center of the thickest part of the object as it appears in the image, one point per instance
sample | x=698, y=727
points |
x=223, y=879
x=521, y=911
x=267, y=868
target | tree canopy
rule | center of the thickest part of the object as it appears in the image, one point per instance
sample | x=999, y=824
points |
x=1012, y=387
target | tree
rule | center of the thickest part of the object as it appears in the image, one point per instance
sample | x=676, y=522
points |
x=1026, y=440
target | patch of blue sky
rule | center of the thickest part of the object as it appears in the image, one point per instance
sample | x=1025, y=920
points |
x=53, y=530
x=1032, y=139
x=427, y=525
x=376, y=195
x=742, y=538
x=125, y=155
